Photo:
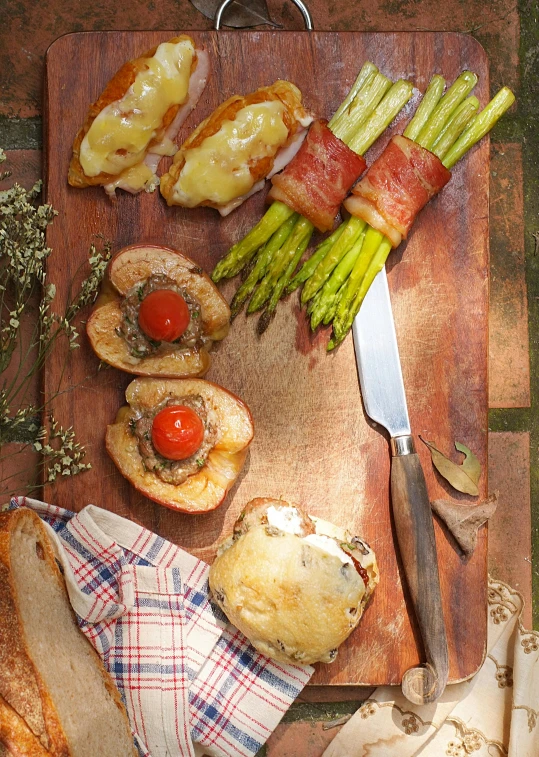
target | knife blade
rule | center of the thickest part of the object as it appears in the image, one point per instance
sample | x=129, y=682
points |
x=384, y=399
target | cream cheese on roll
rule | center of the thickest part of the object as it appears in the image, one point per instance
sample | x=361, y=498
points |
x=329, y=545
x=285, y=518
x=288, y=519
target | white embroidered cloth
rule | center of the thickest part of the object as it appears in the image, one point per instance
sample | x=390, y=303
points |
x=192, y=683
x=494, y=714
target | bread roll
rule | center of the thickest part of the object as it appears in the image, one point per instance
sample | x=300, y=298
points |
x=295, y=586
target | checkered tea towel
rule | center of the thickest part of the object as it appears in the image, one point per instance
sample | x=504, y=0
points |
x=192, y=684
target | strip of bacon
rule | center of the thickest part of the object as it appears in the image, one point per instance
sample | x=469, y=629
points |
x=319, y=177
x=395, y=188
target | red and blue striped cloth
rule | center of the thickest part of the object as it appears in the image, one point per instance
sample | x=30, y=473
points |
x=192, y=683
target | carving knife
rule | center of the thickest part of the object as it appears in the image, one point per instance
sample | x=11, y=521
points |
x=384, y=399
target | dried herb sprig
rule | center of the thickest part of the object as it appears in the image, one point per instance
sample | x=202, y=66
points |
x=30, y=329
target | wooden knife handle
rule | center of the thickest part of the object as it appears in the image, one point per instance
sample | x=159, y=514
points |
x=417, y=546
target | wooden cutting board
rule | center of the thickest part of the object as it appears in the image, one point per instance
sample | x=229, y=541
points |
x=313, y=444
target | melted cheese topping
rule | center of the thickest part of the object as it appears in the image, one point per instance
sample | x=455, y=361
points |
x=119, y=136
x=218, y=170
x=134, y=179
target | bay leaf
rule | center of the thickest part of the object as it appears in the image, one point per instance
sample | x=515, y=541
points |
x=471, y=465
x=457, y=475
x=239, y=14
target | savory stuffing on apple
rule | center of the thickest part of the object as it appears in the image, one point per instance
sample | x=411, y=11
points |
x=180, y=442
x=157, y=315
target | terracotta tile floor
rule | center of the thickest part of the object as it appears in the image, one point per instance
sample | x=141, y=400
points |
x=28, y=28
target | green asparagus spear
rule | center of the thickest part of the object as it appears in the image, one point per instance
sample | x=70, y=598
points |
x=342, y=326
x=371, y=244
x=310, y=264
x=262, y=261
x=243, y=251
x=480, y=126
x=314, y=303
x=424, y=111
x=366, y=75
x=269, y=312
x=365, y=103
x=332, y=308
x=302, y=230
x=325, y=297
x=352, y=229
x=455, y=126
x=456, y=93
x=372, y=127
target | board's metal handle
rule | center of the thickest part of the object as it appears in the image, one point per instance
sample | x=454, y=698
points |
x=298, y=3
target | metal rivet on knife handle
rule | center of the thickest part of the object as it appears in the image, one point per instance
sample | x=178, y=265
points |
x=307, y=18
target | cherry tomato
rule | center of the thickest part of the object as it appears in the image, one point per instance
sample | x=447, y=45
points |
x=163, y=315
x=177, y=432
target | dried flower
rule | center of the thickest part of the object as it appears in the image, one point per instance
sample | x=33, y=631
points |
x=63, y=456
x=27, y=296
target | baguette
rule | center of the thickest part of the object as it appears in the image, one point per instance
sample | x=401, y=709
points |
x=56, y=698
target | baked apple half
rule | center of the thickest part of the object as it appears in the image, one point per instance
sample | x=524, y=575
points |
x=180, y=442
x=157, y=315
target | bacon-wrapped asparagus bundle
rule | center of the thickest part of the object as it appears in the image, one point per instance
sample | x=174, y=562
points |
x=413, y=168
x=313, y=185
x=317, y=180
x=397, y=186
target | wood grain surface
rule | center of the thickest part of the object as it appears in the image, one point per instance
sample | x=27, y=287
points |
x=313, y=444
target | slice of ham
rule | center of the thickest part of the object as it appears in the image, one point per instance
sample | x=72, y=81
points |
x=395, y=188
x=197, y=83
x=319, y=177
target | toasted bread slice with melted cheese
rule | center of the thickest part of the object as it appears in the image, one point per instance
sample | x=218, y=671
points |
x=135, y=120
x=244, y=141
